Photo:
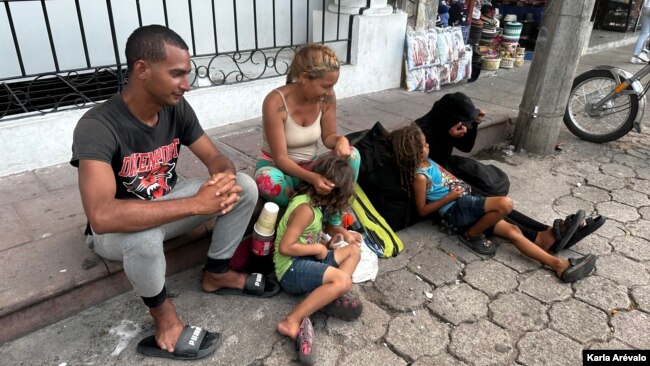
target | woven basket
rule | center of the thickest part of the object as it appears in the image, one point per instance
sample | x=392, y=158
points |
x=507, y=63
x=490, y=63
x=519, y=61
x=509, y=48
x=509, y=39
x=512, y=29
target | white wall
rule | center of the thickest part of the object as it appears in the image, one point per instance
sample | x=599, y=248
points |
x=37, y=57
x=44, y=140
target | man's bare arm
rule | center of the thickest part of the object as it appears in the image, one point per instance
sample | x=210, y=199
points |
x=221, y=169
x=107, y=214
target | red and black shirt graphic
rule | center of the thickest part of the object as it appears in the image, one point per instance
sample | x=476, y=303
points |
x=152, y=173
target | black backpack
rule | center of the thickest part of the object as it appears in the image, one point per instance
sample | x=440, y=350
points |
x=379, y=177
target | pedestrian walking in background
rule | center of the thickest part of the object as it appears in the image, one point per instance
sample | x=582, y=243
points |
x=638, y=56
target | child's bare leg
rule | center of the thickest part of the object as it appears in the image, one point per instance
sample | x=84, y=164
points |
x=495, y=209
x=545, y=239
x=528, y=248
x=335, y=284
x=348, y=258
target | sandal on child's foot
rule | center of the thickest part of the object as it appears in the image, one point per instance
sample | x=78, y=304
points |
x=478, y=244
x=587, y=227
x=345, y=307
x=564, y=229
x=579, y=268
x=305, y=342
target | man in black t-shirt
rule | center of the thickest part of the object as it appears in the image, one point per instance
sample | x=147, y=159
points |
x=127, y=150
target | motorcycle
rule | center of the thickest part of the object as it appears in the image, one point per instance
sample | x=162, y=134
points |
x=606, y=103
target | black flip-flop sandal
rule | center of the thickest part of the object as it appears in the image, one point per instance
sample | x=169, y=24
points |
x=256, y=285
x=563, y=231
x=193, y=344
x=591, y=224
x=579, y=268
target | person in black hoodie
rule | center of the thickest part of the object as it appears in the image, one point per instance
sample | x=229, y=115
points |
x=452, y=123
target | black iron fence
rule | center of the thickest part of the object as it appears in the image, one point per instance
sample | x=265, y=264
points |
x=59, y=54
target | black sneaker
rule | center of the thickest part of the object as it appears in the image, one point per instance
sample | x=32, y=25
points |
x=479, y=244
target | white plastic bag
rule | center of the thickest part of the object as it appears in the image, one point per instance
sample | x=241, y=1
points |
x=432, y=79
x=368, y=265
x=415, y=79
x=443, y=48
x=417, y=53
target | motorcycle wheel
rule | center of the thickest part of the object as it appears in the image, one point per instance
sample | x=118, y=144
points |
x=614, y=120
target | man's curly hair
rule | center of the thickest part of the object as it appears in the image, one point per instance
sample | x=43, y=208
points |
x=338, y=171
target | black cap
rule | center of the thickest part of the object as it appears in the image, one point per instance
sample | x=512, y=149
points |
x=457, y=107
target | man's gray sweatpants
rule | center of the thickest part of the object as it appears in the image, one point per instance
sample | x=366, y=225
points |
x=142, y=252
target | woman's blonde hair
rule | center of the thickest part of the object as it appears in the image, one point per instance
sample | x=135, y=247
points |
x=315, y=59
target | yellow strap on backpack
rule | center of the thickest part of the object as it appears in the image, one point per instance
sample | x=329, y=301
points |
x=375, y=227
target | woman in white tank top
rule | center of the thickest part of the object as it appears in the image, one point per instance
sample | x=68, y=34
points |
x=295, y=117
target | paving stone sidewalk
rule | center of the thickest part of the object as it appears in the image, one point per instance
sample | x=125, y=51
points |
x=436, y=303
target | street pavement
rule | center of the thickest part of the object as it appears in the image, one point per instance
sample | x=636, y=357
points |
x=436, y=303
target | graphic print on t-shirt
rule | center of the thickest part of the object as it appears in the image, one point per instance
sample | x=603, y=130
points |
x=152, y=184
x=152, y=172
x=449, y=180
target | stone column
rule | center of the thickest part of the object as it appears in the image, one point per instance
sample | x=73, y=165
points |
x=427, y=13
x=377, y=7
x=560, y=43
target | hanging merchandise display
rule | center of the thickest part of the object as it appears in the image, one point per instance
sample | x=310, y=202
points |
x=490, y=33
x=527, y=12
x=490, y=39
x=499, y=46
x=436, y=57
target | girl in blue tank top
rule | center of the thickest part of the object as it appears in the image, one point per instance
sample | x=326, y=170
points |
x=437, y=191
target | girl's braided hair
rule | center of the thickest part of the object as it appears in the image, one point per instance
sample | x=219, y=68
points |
x=337, y=170
x=407, y=148
x=315, y=59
